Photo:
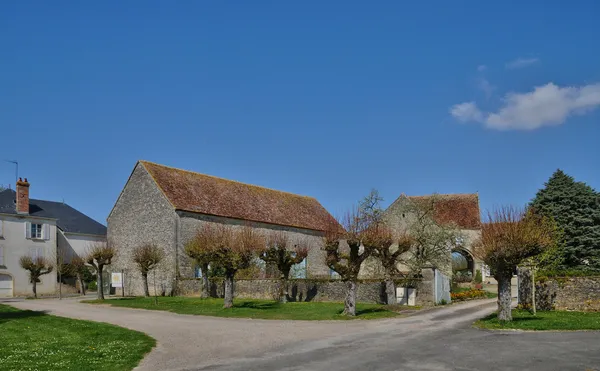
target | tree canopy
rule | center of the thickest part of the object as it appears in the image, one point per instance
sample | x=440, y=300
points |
x=575, y=207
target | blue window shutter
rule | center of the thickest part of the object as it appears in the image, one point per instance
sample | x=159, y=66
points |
x=27, y=230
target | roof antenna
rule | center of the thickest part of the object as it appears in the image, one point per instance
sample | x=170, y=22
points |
x=16, y=169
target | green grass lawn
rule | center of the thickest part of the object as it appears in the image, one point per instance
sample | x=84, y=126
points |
x=250, y=308
x=553, y=320
x=36, y=341
x=491, y=295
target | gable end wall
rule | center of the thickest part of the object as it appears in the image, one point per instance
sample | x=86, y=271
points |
x=141, y=215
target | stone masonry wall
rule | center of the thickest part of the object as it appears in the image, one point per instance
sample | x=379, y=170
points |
x=190, y=223
x=561, y=293
x=141, y=215
x=300, y=290
x=578, y=293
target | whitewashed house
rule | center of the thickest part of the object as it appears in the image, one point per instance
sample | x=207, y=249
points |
x=39, y=228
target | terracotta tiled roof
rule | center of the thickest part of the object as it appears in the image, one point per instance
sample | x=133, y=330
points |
x=459, y=209
x=205, y=194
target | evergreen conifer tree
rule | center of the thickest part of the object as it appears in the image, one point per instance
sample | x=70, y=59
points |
x=575, y=207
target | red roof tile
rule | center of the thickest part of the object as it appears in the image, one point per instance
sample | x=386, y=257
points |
x=207, y=194
x=459, y=209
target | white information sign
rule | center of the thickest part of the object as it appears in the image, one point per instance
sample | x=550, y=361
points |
x=116, y=279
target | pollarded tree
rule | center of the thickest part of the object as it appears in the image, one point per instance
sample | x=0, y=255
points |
x=37, y=267
x=147, y=257
x=98, y=256
x=63, y=269
x=347, y=260
x=380, y=240
x=508, y=237
x=80, y=270
x=233, y=249
x=575, y=207
x=420, y=241
x=389, y=251
x=279, y=253
x=199, y=248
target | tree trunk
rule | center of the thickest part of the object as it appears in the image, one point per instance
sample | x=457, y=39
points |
x=350, y=303
x=205, y=281
x=145, y=282
x=533, y=290
x=228, y=302
x=100, y=293
x=283, y=290
x=59, y=285
x=390, y=291
x=81, y=284
x=283, y=283
x=504, y=297
x=34, y=282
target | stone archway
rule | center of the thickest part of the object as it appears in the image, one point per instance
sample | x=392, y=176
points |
x=463, y=264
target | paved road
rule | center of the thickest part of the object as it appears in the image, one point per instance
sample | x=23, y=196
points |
x=441, y=339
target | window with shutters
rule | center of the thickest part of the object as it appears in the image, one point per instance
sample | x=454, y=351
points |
x=36, y=231
x=1, y=256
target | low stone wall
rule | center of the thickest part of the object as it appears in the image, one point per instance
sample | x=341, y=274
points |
x=299, y=290
x=561, y=293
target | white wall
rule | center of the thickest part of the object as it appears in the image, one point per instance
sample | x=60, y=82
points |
x=71, y=244
x=14, y=245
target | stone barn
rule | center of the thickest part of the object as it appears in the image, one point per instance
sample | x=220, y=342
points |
x=165, y=206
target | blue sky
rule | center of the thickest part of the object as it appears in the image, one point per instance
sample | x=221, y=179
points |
x=327, y=99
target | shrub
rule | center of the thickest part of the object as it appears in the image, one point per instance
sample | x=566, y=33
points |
x=478, y=277
x=462, y=277
x=93, y=286
x=543, y=273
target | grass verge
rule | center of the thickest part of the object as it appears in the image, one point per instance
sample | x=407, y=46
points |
x=553, y=320
x=36, y=341
x=250, y=308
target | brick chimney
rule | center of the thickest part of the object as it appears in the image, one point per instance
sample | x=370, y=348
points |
x=22, y=196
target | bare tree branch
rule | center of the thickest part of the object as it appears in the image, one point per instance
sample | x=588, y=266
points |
x=36, y=267
x=147, y=257
x=99, y=255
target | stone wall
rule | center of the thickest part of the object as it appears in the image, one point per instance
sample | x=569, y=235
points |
x=561, y=293
x=369, y=291
x=300, y=290
x=141, y=215
x=190, y=223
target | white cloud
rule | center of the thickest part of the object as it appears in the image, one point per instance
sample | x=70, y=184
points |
x=547, y=105
x=481, y=67
x=466, y=112
x=521, y=63
x=485, y=86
